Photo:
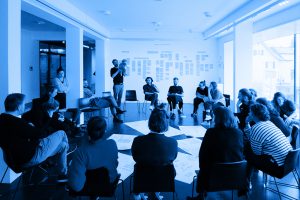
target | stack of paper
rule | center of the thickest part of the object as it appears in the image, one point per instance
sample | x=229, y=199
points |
x=123, y=141
x=194, y=131
x=185, y=166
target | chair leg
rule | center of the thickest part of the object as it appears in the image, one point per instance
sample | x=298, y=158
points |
x=277, y=188
x=17, y=187
x=297, y=177
x=193, y=188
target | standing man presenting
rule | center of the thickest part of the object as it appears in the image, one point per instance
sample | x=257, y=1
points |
x=117, y=73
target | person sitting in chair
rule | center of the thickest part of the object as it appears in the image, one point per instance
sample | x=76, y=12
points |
x=102, y=102
x=28, y=145
x=155, y=149
x=175, y=95
x=201, y=97
x=94, y=153
x=151, y=92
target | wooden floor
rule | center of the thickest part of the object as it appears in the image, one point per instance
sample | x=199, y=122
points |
x=50, y=190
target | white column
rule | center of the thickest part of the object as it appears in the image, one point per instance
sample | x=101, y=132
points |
x=74, y=65
x=100, y=67
x=10, y=60
x=243, y=56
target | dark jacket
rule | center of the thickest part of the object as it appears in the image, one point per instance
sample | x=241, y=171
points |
x=154, y=149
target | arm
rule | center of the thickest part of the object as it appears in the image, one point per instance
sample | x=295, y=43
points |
x=113, y=75
x=77, y=171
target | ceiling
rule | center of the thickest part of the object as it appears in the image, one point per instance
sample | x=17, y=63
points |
x=150, y=18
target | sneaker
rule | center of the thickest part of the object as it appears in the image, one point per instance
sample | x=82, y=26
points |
x=173, y=116
x=119, y=111
x=62, y=178
x=116, y=119
x=182, y=115
x=207, y=117
x=151, y=107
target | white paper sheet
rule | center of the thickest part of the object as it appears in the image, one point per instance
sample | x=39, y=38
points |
x=194, y=131
x=126, y=165
x=190, y=145
x=123, y=141
x=142, y=127
x=185, y=166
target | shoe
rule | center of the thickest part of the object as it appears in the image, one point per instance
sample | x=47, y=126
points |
x=182, y=115
x=119, y=111
x=194, y=115
x=173, y=116
x=151, y=107
x=62, y=178
x=116, y=119
x=179, y=111
x=207, y=117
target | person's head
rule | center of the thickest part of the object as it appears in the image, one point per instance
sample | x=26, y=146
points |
x=224, y=118
x=15, y=102
x=266, y=103
x=213, y=85
x=85, y=83
x=245, y=96
x=278, y=99
x=96, y=128
x=158, y=121
x=175, y=81
x=288, y=107
x=60, y=72
x=124, y=61
x=259, y=112
x=253, y=92
x=52, y=91
x=115, y=62
x=202, y=84
x=149, y=80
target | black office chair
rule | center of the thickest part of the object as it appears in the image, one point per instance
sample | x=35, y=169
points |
x=227, y=100
x=294, y=135
x=290, y=165
x=130, y=95
x=98, y=184
x=153, y=179
x=223, y=176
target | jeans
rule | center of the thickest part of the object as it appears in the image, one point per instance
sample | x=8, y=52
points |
x=55, y=144
x=118, y=92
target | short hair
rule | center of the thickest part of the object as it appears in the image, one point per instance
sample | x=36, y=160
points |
x=288, y=107
x=224, y=118
x=50, y=105
x=96, y=128
x=214, y=84
x=13, y=101
x=260, y=111
x=114, y=60
x=124, y=61
x=175, y=78
x=202, y=82
x=269, y=106
x=253, y=92
x=158, y=121
x=246, y=92
x=50, y=89
x=149, y=78
x=59, y=69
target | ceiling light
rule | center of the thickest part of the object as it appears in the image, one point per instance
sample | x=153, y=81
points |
x=207, y=14
x=40, y=22
x=156, y=24
x=283, y=3
x=105, y=12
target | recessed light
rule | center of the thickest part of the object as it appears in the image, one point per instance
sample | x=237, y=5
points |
x=207, y=14
x=105, y=12
x=40, y=22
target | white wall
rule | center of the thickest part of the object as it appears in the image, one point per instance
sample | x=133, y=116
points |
x=30, y=58
x=159, y=59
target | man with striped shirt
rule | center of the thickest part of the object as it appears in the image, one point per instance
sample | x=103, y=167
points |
x=269, y=146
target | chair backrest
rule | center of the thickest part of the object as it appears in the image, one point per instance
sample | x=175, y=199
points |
x=97, y=184
x=227, y=99
x=154, y=178
x=294, y=135
x=130, y=95
x=83, y=102
x=225, y=176
x=106, y=94
x=290, y=162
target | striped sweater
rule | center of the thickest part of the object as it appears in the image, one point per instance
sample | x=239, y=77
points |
x=266, y=138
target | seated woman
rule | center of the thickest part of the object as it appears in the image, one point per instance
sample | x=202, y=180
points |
x=274, y=117
x=243, y=106
x=94, y=153
x=151, y=92
x=155, y=149
x=278, y=101
x=288, y=113
x=222, y=143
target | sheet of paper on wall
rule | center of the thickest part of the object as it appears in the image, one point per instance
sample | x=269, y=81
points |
x=185, y=166
x=190, y=145
x=140, y=126
x=126, y=165
x=194, y=131
x=123, y=141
